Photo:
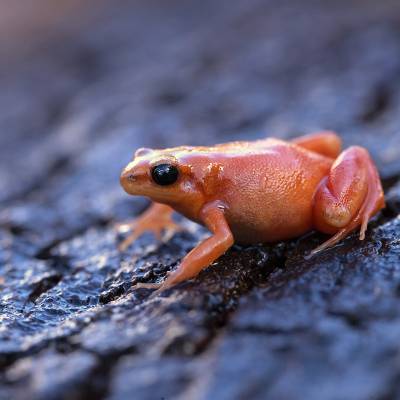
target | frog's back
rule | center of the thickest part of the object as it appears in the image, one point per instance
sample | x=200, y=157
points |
x=229, y=149
x=244, y=146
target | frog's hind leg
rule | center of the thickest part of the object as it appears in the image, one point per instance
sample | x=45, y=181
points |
x=326, y=143
x=348, y=197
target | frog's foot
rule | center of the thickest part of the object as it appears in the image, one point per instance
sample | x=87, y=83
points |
x=348, y=197
x=143, y=285
x=169, y=282
x=157, y=219
x=156, y=227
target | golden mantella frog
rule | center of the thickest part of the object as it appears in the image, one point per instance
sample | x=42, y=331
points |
x=254, y=192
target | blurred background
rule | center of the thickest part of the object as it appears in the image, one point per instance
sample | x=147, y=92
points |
x=83, y=84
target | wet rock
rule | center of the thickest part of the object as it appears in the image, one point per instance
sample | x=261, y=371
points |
x=40, y=377
x=393, y=200
x=326, y=341
x=153, y=379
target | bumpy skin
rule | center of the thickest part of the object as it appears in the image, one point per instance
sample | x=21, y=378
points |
x=256, y=192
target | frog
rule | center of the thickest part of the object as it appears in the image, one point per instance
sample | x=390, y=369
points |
x=253, y=192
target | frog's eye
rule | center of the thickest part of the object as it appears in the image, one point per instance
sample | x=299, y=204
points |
x=165, y=174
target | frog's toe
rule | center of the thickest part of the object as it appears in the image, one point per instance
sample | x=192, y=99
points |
x=144, y=285
x=129, y=240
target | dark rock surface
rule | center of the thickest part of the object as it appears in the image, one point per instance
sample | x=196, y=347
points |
x=261, y=323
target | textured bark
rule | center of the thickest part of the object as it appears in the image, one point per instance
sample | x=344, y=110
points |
x=262, y=322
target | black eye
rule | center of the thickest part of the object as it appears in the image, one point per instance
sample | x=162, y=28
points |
x=165, y=174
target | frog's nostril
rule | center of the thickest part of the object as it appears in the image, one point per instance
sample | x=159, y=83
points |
x=127, y=178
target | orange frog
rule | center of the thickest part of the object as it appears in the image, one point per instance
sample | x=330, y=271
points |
x=254, y=192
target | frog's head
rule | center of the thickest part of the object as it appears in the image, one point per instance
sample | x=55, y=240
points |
x=165, y=176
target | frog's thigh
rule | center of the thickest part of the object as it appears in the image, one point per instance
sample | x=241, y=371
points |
x=348, y=196
x=326, y=143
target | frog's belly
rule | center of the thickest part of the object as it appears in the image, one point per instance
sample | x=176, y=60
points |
x=271, y=225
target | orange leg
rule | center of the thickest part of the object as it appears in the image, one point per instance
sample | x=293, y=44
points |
x=204, y=253
x=326, y=143
x=156, y=219
x=348, y=197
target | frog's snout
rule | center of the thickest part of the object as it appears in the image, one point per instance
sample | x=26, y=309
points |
x=135, y=177
x=128, y=179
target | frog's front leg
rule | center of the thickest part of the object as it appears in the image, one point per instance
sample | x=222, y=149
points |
x=348, y=197
x=205, y=253
x=156, y=219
